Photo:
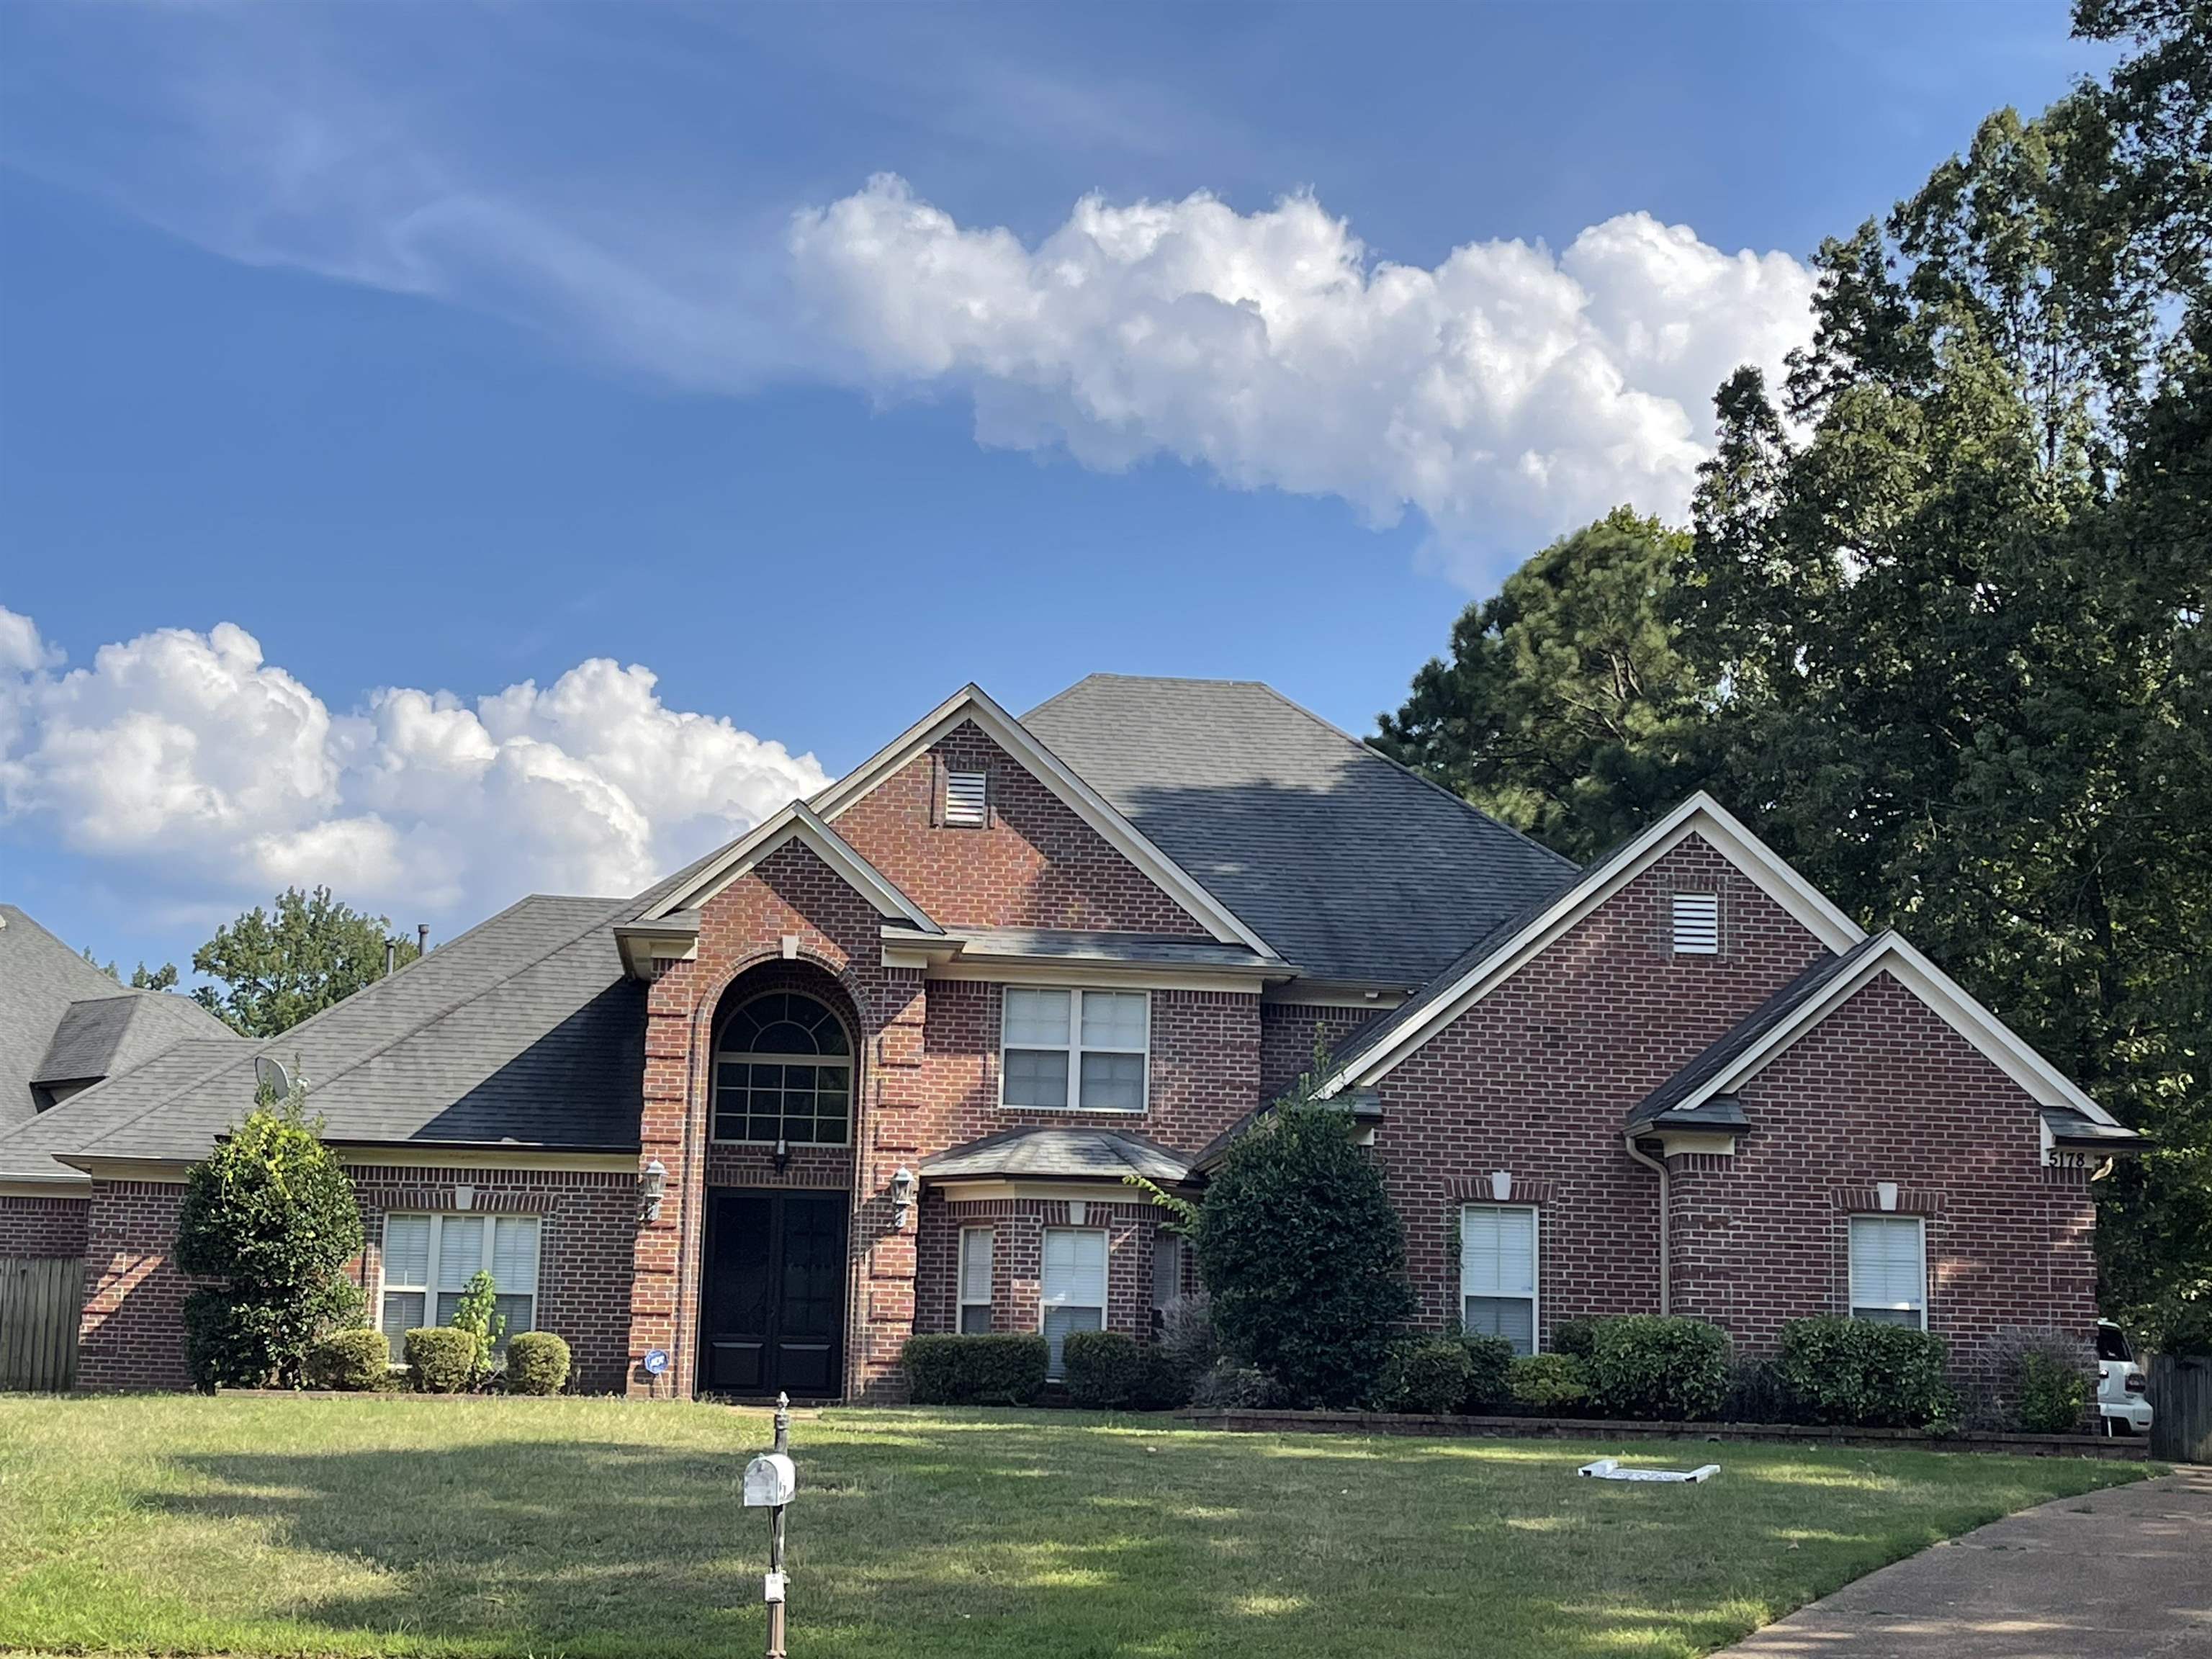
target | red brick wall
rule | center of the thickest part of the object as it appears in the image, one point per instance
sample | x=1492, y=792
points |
x=132, y=1335
x=1036, y=864
x=1883, y=1090
x=1286, y=1040
x=1537, y=1078
x=1017, y=1227
x=43, y=1226
x=587, y=1224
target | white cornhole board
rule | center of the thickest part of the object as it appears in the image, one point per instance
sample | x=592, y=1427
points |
x=1608, y=1468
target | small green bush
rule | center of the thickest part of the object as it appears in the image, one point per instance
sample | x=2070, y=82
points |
x=537, y=1363
x=441, y=1359
x=998, y=1370
x=1187, y=1341
x=1574, y=1337
x=1227, y=1385
x=2045, y=1381
x=1101, y=1369
x=1427, y=1374
x=1552, y=1384
x=1674, y=1370
x=1489, y=1373
x=1756, y=1395
x=357, y=1360
x=1163, y=1385
x=1868, y=1375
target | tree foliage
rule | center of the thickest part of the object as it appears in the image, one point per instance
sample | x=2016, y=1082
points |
x=142, y=978
x=1939, y=630
x=280, y=968
x=270, y=1216
x=1302, y=1255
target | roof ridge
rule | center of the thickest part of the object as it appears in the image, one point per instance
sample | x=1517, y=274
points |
x=443, y=1011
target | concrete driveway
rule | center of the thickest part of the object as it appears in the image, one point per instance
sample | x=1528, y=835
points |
x=2113, y=1574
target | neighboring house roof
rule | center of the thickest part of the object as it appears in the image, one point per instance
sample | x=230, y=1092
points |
x=1058, y=1154
x=63, y=1021
x=1350, y=865
x=1502, y=952
x=522, y=1033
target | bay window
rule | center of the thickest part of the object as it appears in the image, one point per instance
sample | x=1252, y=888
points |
x=1073, y=1288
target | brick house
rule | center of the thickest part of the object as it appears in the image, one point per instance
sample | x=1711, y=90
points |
x=880, y=1066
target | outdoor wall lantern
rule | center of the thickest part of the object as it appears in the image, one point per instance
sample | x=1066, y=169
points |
x=783, y=1154
x=652, y=1188
x=903, y=1189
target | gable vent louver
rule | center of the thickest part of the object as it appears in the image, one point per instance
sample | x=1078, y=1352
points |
x=965, y=794
x=1697, y=924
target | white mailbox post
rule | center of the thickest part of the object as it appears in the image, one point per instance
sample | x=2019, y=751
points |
x=770, y=1481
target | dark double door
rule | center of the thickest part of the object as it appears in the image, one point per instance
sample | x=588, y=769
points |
x=772, y=1307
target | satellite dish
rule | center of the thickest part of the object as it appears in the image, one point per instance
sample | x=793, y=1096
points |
x=268, y=1072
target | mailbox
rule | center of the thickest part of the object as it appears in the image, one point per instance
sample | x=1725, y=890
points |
x=770, y=1480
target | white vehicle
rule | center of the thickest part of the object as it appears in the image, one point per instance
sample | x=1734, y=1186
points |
x=2121, y=1384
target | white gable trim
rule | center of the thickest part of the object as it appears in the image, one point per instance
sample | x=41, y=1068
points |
x=797, y=822
x=1700, y=814
x=1895, y=956
x=972, y=703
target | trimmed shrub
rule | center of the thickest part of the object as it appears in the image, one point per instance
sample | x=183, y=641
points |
x=441, y=1359
x=1489, y=1373
x=1549, y=1384
x=1303, y=1255
x=537, y=1363
x=1864, y=1374
x=1428, y=1374
x=357, y=1360
x=998, y=1370
x=1102, y=1367
x=1574, y=1337
x=1228, y=1386
x=269, y=1214
x=1649, y=1365
x=1756, y=1395
x=1162, y=1384
x=2045, y=1381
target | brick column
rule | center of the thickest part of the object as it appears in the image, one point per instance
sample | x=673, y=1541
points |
x=659, y=1315
x=885, y=1255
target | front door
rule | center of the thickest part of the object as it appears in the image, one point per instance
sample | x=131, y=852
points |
x=772, y=1310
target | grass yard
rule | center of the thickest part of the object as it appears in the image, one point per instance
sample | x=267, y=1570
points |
x=397, y=1526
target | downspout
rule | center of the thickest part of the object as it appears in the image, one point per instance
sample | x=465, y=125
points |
x=1657, y=1166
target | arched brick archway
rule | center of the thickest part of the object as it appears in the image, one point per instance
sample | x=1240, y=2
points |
x=780, y=1089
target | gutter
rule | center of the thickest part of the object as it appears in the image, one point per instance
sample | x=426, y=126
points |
x=1658, y=1167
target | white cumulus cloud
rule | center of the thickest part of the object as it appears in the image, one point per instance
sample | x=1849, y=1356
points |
x=1506, y=393
x=192, y=757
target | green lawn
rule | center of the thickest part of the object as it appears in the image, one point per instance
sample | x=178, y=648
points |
x=387, y=1526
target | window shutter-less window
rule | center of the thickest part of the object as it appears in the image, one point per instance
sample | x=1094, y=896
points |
x=966, y=799
x=975, y=1244
x=1889, y=1276
x=1074, y=1287
x=1697, y=924
x=1497, y=1273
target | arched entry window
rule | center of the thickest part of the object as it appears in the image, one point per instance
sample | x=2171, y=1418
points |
x=783, y=1073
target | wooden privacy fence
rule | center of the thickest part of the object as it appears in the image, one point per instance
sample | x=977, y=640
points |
x=40, y=1301
x=2181, y=1409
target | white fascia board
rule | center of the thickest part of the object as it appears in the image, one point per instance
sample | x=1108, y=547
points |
x=798, y=822
x=971, y=702
x=1947, y=999
x=1700, y=814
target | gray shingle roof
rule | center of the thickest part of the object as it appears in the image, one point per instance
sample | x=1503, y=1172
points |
x=1348, y=864
x=523, y=1031
x=1741, y=1038
x=1092, y=1154
x=62, y=1020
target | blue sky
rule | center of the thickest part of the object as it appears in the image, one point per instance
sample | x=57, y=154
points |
x=442, y=350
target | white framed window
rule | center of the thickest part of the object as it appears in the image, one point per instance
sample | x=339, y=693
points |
x=1073, y=1288
x=1081, y=1051
x=966, y=799
x=976, y=1246
x=783, y=1074
x=1497, y=1273
x=1697, y=924
x=1889, y=1270
x=428, y=1259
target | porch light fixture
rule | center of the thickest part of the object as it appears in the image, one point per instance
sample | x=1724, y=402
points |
x=904, y=1184
x=783, y=1154
x=652, y=1188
